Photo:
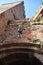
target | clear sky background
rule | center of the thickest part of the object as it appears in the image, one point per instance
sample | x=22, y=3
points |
x=31, y=6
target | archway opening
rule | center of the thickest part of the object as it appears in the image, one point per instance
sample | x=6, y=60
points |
x=21, y=59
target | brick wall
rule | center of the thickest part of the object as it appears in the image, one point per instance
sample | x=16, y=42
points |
x=16, y=12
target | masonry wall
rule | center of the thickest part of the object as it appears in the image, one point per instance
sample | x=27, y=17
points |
x=16, y=12
x=2, y=22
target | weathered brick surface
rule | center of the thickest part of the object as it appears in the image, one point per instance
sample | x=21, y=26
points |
x=14, y=13
x=37, y=33
x=11, y=31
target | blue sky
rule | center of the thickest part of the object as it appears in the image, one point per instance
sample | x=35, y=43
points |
x=31, y=6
